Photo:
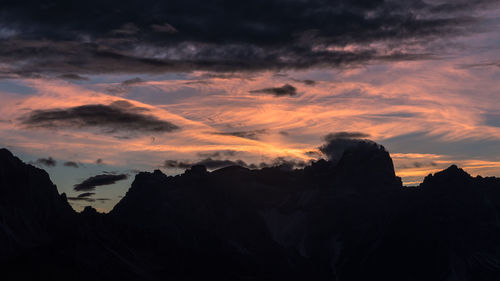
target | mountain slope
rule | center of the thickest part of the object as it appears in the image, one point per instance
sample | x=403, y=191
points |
x=348, y=219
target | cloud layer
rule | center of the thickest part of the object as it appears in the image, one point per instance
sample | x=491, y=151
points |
x=148, y=36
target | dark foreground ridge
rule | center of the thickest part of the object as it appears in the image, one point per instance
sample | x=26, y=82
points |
x=345, y=220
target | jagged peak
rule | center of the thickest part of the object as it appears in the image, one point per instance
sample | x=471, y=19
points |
x=148, y=178
x=453, y=170
x=449, y=175
x=367, y=156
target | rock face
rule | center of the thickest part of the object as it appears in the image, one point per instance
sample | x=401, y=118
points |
x=31, y=209
x=348, y=219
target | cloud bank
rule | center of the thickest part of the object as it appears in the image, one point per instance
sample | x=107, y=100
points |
x=146, y=36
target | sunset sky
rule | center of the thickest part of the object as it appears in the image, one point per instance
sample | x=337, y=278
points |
x=95, y=91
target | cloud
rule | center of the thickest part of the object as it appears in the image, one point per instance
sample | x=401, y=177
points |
x=99, y=180
x=127, y=29
x=117, y=116
x=284, y=163
x=285, y=90
x=307, y=82
x=313, y=153
x=480, y=65
x=86, y=194
x=87, y=197
x=213, y=164
x=71, y=164
x=72, y=76
x=132, y=81
x=417, y=164
x=150, y=37
x=209, y=163
x=217, y=154
x=345, y=135
x=49, y=162
x=124, y=86
x=165, y=27
x=252, y=134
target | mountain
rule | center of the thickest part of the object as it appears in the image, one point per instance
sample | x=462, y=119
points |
x=31, y=209
x=343, y=219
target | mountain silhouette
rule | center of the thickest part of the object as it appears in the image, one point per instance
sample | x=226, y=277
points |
x=346, y=218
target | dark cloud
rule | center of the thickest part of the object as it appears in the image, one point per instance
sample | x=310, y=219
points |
x=209, y=163
x=313, y=153
x=86, y=194
x=72, y=76
x=99, y=180
x=126, y=29
x=165, y=27
x=252, y=134
x=422, y=164
x=418, y=164
x=49, y=162
x=217, y=154
x=87, y=199
x=479, y=65
x=307, y=82
x=124, y=86
x=117, y=90
x=285, y=90
x=133, y=81
x=198, y=82
x=71, y=164
x=345, y=135
x=228, y=75
x=284, y=163
x=118, y=116
x=149, y=36
x=212, y=164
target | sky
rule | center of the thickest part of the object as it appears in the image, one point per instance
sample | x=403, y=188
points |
x=96, y=91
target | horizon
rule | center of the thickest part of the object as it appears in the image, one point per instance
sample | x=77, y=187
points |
x=105, y=205
x=98, y=90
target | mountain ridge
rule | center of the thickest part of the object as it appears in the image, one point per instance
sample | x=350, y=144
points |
x=324, y=222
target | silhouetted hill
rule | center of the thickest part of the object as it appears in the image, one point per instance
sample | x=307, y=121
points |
x=31, y=209
x=347, y=218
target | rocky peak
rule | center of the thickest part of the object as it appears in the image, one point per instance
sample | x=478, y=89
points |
x=367, y=164
x=452, y=176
